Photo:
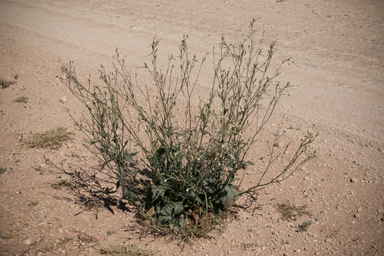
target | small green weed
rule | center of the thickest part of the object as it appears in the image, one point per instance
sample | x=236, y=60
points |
x=50, y=139
x=6, y=83
x=109, y=233
x=304, y=226
x=21, y=99
x=2, y=170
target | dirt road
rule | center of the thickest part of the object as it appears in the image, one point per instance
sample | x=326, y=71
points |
x=337, y=65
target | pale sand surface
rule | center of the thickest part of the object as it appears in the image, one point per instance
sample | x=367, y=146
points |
x=337, y=65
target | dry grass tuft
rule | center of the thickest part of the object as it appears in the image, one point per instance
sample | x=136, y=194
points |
x=86, y=239
x=291, y=212
x=5, y=235
x=6, y=83
x=50, y=139
x=21, y=99
x=34, y=202
x=83, y=239
x=129, y=250
x=59, y=184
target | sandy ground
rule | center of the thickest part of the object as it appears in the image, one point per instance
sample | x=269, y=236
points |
x=337, y=50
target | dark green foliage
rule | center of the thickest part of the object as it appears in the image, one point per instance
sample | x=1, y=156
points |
x=304, y=226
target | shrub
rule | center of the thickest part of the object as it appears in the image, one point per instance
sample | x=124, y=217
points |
x=187, y=168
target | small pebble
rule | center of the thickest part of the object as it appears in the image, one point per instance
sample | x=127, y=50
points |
x=27, y=242
x=64, y=99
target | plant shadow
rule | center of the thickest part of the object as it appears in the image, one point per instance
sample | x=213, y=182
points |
x=93, y=189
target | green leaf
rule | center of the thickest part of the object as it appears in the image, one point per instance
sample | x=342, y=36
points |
x=178, y=223
x=160, y=155
x=157, y=191
x=231, y=193
x=172, y=209
x=164, y=219
x=128, y=157
x=191, y=194
x=182, y=222
x=131, y=193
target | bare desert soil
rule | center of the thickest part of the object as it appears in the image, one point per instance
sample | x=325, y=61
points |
x=337, y=67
